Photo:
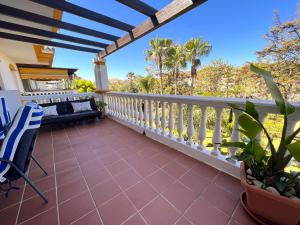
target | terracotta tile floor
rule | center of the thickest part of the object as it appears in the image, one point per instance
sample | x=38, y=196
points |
x=104, y=173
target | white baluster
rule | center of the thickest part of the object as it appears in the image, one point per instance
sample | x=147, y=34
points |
x=156, y=116
x=235, y=135
x=141, y=112
x=117, y=107
x=132, y=110
x=180, y=122
x=128, y=105
x=114, y=105
x=150, y=115
x=171, y=120
x=217, y=136
x=125, y=108
x=136, y=111
x=145, y=113
x=163, y=118
x=262, y=117
x=190, y=128
x=202, y=129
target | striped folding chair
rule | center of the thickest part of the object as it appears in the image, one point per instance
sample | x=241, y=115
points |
x=17, y=147
x=4, y=118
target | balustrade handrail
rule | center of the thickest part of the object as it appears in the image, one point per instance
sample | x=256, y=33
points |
x=222, y=102
x=57, y=96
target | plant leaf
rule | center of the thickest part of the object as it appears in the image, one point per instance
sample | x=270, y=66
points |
x=250, y=109
x=236, y=144
x=250, y=126
x=294, y=149
x=259, y=152
x=284, y=107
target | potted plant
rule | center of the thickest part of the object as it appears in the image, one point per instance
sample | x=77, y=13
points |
x=272, y=193
x=101, y=107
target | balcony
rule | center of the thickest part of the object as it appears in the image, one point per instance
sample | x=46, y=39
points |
x=106, y=173
x=134, y=167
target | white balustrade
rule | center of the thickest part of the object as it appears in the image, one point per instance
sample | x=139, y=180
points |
x=217, y=135
x=148, y=113
x=157, y=116
x=190, y=125
x=163, y=118
x=202, y=128
x=171, y=120
x=180, y=122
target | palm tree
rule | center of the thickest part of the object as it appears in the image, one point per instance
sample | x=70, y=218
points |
x=176, y=59
x=196, y=49
x=157, y=53
x=146, y=83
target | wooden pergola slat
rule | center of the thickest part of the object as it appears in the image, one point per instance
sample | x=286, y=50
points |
x=139, y=6
x=46, y=42
x=165, y=15
x=85, y=13
x=36, y=18
x=49, y=34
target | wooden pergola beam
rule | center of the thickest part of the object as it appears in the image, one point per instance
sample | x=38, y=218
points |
x=139, y=6
x=165, y=15
x=36, y=18
x=32, y=40
x=49, y=34
x=85, y=13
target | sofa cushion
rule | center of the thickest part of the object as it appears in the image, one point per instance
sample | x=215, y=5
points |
x=62, y=107
x=92, y=102
x=50, y=110
x=81, y=106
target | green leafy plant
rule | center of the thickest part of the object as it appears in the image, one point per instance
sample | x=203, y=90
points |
x=267, y=164
x=101, y=105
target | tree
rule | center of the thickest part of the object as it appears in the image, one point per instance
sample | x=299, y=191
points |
x=132, y=85
x=176, y=60
x=157, y=53
x=146, y=83
x=196, y=49
x=282, y=54
x=85, y=85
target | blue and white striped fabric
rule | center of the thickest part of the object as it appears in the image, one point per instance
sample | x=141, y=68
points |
x=4, y=118
x=27, y=117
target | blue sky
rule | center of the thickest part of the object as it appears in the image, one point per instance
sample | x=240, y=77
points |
x=235, y=29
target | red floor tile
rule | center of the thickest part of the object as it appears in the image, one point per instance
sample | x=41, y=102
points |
x=118, y=167
x=110, y=157
x=13, y=198
x=195, y=182
x=8, y=215
x=160, y=180
x=43, y=185
x=71, y=189
x=174, y=169
x=205, y=171
x=75, y=208
x=223, y=200
x=36, y=205
x=160, y=212
x=135, y=220
x=46, y=218
x=90, y=219
x=141, y=194
x=180, y=196
x=202, y=212
x=183, y=221
x=65, y=165
x=117, y=210
x=241, y=216
x=105, y=191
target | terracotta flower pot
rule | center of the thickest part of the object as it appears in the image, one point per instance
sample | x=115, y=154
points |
x=275, y=208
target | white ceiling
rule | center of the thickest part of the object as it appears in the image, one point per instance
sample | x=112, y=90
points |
x=18, y=51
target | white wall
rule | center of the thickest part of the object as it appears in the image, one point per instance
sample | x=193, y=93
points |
x=13, y=100
x=10, y=80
